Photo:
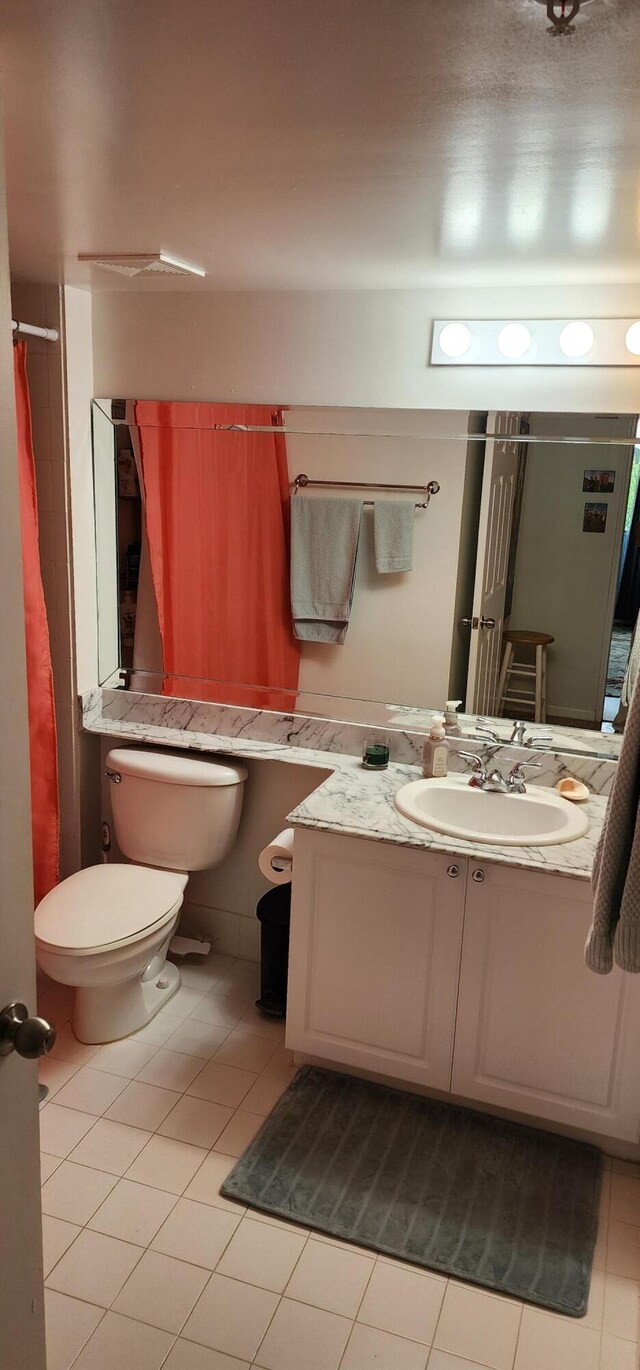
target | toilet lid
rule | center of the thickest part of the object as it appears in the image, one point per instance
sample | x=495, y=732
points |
x=103, y=905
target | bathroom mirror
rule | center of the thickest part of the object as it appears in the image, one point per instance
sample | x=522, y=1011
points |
x=521, y=523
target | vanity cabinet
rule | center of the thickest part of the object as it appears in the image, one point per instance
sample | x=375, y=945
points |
x=536, y=1031
x=461, y=976
x=374, y=956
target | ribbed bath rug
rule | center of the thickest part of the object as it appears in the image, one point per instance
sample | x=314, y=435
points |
x=480, y=1198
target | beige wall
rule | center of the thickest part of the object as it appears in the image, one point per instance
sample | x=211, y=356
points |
x=564, y=578
x=364, y=348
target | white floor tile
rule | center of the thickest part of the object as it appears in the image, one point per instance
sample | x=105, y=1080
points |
x=206, y=971
x=232, y=1317
x=622, y=1307
x=239, y=1132
x=186, y=1355
x=161, y=1291
x=124, y=1058
x=475, y=1324
x=223, y=1010
x=195, y=1120
x=74, y=1192
x=441, y=1360
x=110, y=1146
x=119, y=1342
x=62, y=1128
x=205, y=1185
x=403, y=1302
x=94, y=1268
x=197, y=1039
x=222, y=1084
x=159, y=1029
x=262, y=1255
x=623, y=1250
x=91, y=1091
x=132, y=1212
x=144, y=1106
x=47, y=1165
x=57, y=1237
x=616, y=1354
x=255, y=1021
x=243, y=977
x=371, y=1349
x=549, y=1343
x=53, y=1074
x=264, y=1095
x=196, y=1232
x=303, y=1336
x=625, y=1197
x=166, y=1164
x=186, y=999
x=245, y=1050
x=171, y=1070
x=68, y=1048
x=331, y=1278
x=69, y=1325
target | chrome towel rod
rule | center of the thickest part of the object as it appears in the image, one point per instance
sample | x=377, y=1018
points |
x=430, y=489
x=51, y=334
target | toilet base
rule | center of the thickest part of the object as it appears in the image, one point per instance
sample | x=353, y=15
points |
x=105, y=1013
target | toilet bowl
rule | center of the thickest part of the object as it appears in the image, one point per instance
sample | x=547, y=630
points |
x=106, y=930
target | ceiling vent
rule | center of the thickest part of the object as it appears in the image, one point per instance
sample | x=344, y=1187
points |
x=141, y=263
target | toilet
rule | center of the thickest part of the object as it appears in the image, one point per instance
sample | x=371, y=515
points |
x=106, y=930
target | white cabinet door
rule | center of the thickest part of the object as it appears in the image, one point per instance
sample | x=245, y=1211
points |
x=536, y=1030
x=374, y=956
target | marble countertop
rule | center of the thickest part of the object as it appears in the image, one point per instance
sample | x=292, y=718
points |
x=358, y=803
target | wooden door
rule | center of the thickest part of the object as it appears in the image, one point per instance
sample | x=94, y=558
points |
x=374, y=957
x=536, y=1030
x=492, y=563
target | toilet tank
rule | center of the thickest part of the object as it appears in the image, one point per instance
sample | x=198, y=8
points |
x=173, y=809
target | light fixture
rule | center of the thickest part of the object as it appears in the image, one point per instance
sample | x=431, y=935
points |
x=142, y=263
x=632, y=339
x=514, y=340
x=561, y=14
x=576, y=339
x=455, y=340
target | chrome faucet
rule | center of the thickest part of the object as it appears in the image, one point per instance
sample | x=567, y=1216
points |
x=482, y=726
x=519, y=734
x=493, y=781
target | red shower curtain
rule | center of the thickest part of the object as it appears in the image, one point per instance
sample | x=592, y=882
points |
x=42, y=720
x=217, y=511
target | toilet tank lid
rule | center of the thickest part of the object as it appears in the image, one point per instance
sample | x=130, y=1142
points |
x=175, y=768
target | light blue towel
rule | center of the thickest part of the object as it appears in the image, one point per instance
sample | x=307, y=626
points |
x=393, y=522
x=325, y=535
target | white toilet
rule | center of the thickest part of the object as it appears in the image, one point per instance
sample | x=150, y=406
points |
x=106, y=929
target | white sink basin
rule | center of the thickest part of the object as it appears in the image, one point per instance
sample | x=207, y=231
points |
x=535, y=819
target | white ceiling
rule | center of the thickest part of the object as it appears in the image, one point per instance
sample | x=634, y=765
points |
x=323, y=143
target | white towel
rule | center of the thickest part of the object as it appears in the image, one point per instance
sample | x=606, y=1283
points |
x=325, y=536
x=393, y=522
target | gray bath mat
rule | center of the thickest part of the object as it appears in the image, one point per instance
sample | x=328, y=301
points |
x=457, y=1191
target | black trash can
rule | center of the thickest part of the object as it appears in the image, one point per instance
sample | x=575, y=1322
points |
x=274, y=915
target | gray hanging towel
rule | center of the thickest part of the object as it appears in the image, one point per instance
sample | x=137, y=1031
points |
x=615, y=930
x=393, y=522
x=325, y=534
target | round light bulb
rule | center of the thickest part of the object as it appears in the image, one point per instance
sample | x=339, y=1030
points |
x=576, y=339
x=454, y=340
x=514, y=340
x=632, y=339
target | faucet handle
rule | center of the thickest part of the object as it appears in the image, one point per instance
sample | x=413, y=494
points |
x=515, y=779
x=540, y=740
x=479, y=769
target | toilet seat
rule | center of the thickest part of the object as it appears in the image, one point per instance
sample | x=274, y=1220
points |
x=105, y=907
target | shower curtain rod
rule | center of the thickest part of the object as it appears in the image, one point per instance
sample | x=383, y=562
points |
x=51, y=334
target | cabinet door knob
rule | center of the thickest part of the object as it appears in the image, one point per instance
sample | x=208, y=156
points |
x=478, y=876
x=453, y=872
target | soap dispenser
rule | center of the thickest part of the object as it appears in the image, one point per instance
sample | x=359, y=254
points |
x=435, y=753
x=451, y=721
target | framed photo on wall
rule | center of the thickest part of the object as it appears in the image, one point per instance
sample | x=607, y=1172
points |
x=595, y=518
x=598, y=482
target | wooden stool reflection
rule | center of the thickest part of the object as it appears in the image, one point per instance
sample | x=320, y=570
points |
x=514, y=665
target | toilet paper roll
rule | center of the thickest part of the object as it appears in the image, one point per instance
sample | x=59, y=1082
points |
x=280, y=849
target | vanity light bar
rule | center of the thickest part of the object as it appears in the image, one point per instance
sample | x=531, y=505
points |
x=536, y=342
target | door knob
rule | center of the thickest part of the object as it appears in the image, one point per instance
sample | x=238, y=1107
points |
x=468, y=622
x=30, y=1037
x=453, y=872
x=487, y=622
x=478, y=876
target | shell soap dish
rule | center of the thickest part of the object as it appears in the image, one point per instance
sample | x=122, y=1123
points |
x=572, y=789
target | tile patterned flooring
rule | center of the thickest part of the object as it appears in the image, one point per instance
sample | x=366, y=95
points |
x=147, y=1266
